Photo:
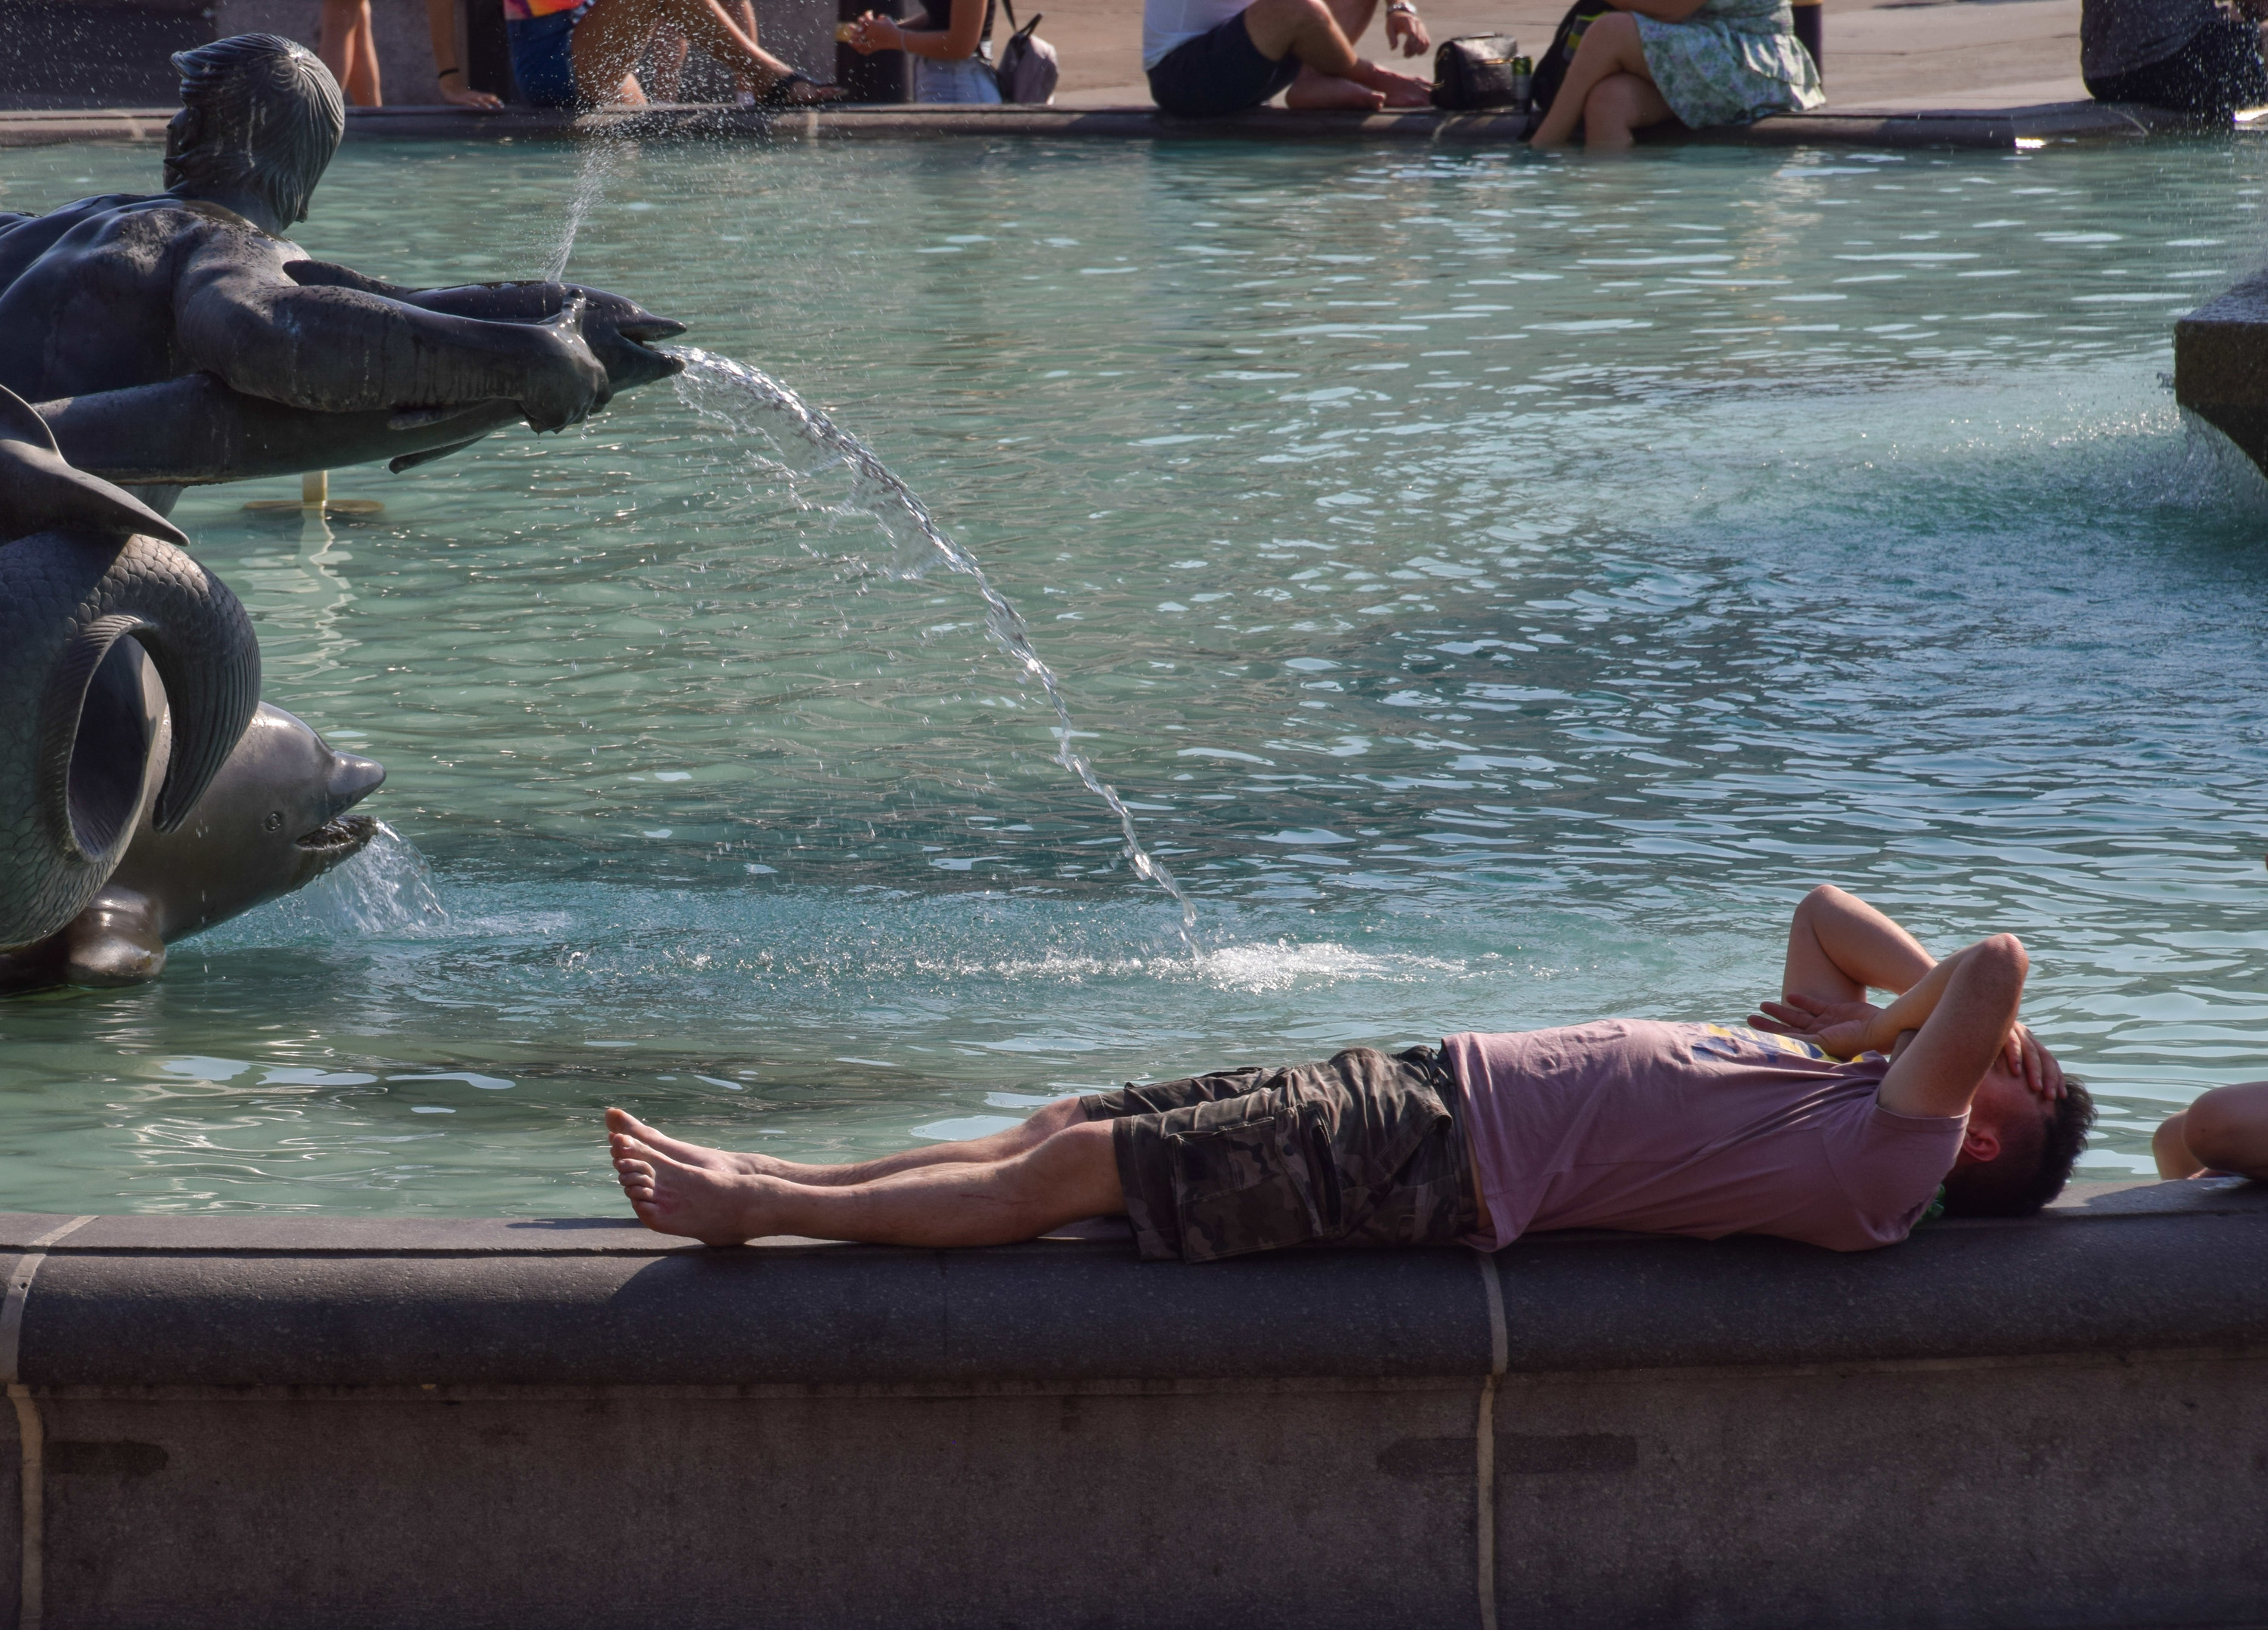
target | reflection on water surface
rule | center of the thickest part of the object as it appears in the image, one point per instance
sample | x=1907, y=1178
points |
x=1497, y=588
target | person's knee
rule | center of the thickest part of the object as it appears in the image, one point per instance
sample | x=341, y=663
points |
x=1608, y=109
x=1078, y=1162
x=1287, y=19
x=1614, y=36
x=2227, y=1128
x=1056, y=1117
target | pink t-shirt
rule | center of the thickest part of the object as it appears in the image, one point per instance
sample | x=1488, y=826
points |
x=1702, y=1129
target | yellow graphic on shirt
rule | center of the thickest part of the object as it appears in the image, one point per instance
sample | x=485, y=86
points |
x=1728, y=1041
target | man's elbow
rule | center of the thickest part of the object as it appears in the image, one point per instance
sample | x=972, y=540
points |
x=2001, y=960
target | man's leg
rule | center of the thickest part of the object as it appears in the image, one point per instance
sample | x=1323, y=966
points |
x=1319, y=33
x=1036, y=1129
x=1610, y=47
x=1072, y=1174
x=1315, y=88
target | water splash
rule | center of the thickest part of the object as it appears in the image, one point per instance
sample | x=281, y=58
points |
x=600, y=160
x=387, y=889
x=749, y=400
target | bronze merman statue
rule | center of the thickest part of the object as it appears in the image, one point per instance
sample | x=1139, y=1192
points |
x=182, y=339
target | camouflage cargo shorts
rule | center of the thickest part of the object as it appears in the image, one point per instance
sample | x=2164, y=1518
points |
x=1367, y=1149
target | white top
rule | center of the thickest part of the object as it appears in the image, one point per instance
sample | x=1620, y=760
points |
x=1168, y=23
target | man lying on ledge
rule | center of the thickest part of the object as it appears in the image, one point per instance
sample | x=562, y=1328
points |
x=1697, y=1129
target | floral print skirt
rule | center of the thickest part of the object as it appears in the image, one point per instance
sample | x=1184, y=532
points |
x=1712, y=72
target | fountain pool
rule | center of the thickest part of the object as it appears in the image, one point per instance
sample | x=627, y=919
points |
x=1497, y=586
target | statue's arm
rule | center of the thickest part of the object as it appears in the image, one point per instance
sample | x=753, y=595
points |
x=619, y=331
x=496, y=302
x=340, y=349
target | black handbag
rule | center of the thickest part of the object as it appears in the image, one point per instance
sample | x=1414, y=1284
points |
x=1552, y=67
x=1475, y=71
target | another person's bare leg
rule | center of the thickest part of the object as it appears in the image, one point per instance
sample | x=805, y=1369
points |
x=1037, y=1128
x=2226, y=1129
x=668, y=72
x=1331, y=74
x=1610, y=45
x=611, y=38
x=1620, y=106
x=343, y=41
x=1072, y=1175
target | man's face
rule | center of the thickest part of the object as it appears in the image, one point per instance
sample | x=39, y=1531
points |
x=2003, y=1108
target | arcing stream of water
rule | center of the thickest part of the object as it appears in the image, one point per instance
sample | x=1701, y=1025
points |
x=752, y=402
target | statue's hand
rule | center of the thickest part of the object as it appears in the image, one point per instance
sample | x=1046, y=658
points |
x=568, y=382
x=621, y=333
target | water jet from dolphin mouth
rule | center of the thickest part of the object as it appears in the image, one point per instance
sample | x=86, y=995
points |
x=750, y=400
x=385, y=888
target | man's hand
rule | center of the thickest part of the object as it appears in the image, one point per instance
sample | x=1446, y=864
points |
x=1406, y=29
x=2025, y=1057
x=1842, y=1029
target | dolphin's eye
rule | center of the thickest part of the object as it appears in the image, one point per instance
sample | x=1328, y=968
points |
x=275, y=820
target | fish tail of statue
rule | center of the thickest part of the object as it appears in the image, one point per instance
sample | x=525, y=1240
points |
x=74, y=767
x=201, y=641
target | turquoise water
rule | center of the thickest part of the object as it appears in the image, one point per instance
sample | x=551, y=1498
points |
x=1497, y=588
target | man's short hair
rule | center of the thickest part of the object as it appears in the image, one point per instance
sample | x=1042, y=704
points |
x=2032, y=1167
x=265, y=116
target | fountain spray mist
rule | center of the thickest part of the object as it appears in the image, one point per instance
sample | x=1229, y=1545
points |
x=749, y=400
x=601, y=157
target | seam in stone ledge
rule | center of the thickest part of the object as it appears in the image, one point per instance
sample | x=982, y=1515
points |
x=1485, y=1443
x=31, y=1432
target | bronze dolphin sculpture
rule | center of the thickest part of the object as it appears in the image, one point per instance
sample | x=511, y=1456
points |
x=274, y=819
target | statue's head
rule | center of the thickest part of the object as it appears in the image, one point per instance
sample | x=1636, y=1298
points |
x=259, y=114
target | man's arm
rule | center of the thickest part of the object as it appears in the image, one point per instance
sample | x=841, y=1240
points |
x=1964, y=1012
x=1839, y=947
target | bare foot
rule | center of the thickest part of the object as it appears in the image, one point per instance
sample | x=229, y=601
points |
x=1399, y=90
x=1404, y=89
x=695, y=1154
x=715, y=1207
x=1312, y=90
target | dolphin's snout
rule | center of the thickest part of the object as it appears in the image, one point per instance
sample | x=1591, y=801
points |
x=352, y=779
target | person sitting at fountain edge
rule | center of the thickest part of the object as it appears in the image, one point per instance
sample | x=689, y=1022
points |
x=1207, y=57
x=1797, y=1125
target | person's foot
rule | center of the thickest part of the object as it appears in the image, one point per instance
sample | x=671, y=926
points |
x=699, y=1202
x=1399, y=90
x=621, y=1121
x=1312, y=90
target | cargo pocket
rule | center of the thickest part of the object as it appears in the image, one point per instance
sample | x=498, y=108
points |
x=1247, y=1186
